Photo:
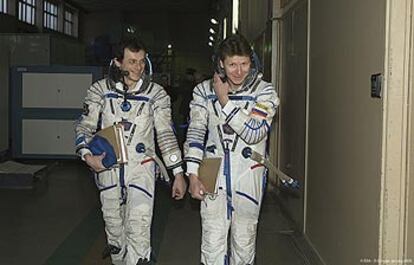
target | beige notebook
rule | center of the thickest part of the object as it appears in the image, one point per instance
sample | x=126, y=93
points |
x=208, y=172
x=115, y=136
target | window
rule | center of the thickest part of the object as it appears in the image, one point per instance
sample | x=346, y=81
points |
x=68, y=22
x=3, y=6
x=50, y=15
x=27, y=11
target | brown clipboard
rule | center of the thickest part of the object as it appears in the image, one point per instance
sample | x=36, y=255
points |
x=114, y=135
x=208, y=172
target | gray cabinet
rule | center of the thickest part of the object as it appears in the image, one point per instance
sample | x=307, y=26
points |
x=46, y=102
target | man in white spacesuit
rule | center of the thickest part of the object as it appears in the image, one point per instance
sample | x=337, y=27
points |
x=235, y=110
x=128, y=97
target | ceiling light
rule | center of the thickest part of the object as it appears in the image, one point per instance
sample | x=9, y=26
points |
x=235, y=23
x=224, y=28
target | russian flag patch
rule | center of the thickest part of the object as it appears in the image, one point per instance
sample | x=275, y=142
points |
x=259, y=110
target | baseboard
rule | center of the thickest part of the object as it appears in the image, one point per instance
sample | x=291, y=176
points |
x=300, y=240
x=303, y=245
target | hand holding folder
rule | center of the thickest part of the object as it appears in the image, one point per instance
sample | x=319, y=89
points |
x=208, y=172
x=110, y=141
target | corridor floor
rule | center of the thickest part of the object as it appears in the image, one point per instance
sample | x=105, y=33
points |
x=59, y=223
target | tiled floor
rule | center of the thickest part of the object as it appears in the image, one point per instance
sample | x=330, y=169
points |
x=59, y=223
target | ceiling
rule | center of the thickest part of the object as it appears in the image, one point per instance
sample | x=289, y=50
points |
x=144, y=5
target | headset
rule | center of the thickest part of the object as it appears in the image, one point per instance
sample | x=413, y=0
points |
x=117, y=75
x=218, y=68
x=255, y=68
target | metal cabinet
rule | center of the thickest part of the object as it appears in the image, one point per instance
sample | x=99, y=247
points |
x=46, y=102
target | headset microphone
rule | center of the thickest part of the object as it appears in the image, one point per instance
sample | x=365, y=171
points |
x=124, y=73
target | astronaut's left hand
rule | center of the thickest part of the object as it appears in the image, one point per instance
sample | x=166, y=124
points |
x=179, y=187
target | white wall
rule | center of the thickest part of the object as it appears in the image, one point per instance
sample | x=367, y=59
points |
x=347, y=44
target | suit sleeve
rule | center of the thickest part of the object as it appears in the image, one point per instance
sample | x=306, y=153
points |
x=166, y=138
x=88, y=122
x=197, y=129
x=253, y=126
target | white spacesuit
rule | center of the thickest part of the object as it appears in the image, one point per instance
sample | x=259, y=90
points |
x=127, y=191
x=243, y=122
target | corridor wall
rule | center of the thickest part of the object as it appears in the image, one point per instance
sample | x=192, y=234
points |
x=345, y=129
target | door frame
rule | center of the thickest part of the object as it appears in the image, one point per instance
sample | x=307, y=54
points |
x=395, y=134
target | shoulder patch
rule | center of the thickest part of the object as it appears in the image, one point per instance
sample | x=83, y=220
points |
x=85, y=109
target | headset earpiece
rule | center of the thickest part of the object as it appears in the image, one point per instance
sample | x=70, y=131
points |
x=256, y=65
x=148, y=66
x=114, y=72
x=218, y=67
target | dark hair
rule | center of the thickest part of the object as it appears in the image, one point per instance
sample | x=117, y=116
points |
x=131, y=43
x=234, y=45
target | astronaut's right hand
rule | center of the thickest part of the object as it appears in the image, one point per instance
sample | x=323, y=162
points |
x=196, y=189
x=95, y=162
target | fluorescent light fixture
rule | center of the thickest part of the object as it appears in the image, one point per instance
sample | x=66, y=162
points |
x=212, y=31
x=214, y=21
x=224, y=28
x=235, y=24
x=210, y=44
x=211, y=38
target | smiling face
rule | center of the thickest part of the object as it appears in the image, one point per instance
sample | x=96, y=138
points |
x=134, y=63
x=236, y=68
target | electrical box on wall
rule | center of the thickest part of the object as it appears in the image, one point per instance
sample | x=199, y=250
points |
x=46, y=101
x=376, y=85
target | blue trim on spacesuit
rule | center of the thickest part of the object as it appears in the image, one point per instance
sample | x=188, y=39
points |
x=264, y=122
x=236, y=98
x=112, y=95
x=197, y=145
x=172, y=125
x=193, y=159
x=248, y=98
x=122, y=181
x=141, y=189
x=138, y=98
x=131, y=97
x=227, y=174
x=247, y=196
x=212, y=97
x=226, y=259
x=80, y=140
x=211, y=149
x=107, y=188
x=231, y=115
x=264, y=183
